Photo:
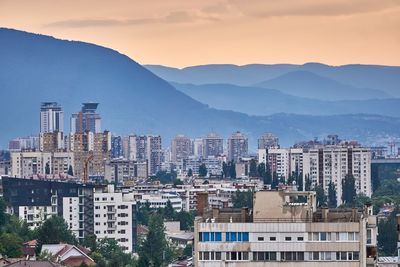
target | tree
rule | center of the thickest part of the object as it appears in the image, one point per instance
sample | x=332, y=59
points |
x=253, y=168
x=70, y=171
x=225, y=170
x=243, y=199
x=47, y=168
x=177, y=182
x=10, y=245
x=166, y=177
x=232, y=169
x=169, y=211
x=3, y=215
x=109, y=253
x=275, y=180
x=320, y=196
x=186, y=219
x=300, y=181
x=144, y=213
x=349, y=190
x=190, y=173
x=151, y=251
x=202, y=170
x=90, y=241
x=387, y=238
x=308, y=183
x=332, y=198
x=53, y=231
x=188, y=251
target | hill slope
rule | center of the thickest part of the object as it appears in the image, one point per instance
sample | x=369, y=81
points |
x=36, y=68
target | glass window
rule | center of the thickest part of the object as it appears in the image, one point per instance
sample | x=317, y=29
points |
x=245, y=256
x=218, y=236
x=343, y=256
x=272, y=238
x=218, y=256
x=233, y=236
x=351, y=236
x=260, y=238
x=245, y=236
x=316, y=256
x=323, y=236
x=206, y=236
x=288, y=238
x=272, y=256
x=300, y=238
x=206, y=256
x=356, y=256
x=315, y=236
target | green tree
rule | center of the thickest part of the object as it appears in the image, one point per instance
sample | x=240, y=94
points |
x=152, y=250
x=169, y=211
x=109, y=254
x=90, y=241
x=166, y=177
x=190, y=173
x=186, y=219
x=308, y=183
x=232, y=169
x=144, y=213
x=70, y=171
x=320, y=196
x=387, y=238
x=202, y=170
x=275, y=180
x=3, y=215
x=188, y=251
x=253, y=168
x=47, y=168
x=53, y=231
x=177, y=182
x=300, y=181
x=349, y=191
x=332, y=198
x=10, y=245
x=225, y=170
x=243, y=199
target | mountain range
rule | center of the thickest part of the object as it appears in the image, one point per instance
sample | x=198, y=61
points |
x=36, y=68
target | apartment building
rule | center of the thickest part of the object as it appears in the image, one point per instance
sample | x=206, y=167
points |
x=51, y=117
x=286, y=229
x=213, y=145
x=115, y=217
x=146, y=148
x=267, y=141
x=121, y=170
x=332, y=163
x=40, y=164
x=238, y=146
x=180, y=149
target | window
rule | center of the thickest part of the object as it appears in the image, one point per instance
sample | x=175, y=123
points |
x=300, y=238
x=237, y=236
x=272, y=238
x=292, y=256
x=237, y=256
x=315, y=256
x=260, y=238
x=210, y=236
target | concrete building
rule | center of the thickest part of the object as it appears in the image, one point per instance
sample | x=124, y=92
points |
x=160, y=200
x=197, y=147
x=116, y=147
x=115, y=217
x=213, y=145
x=180, y=149
x=277, y=160
x=267, y=141
x=120, y=171
x=92, y=147
x=238, y=146
x=332, y=163
x=146, y=148
x=51, y=141
x=285, y=229
x=30, y=143
x=33, y=164
x=86, y=120
x=51, y=118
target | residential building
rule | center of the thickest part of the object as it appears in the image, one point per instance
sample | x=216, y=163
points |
x=213, y=145
x=51, y=117
x=115, y=217
x=51, y=141
x=68, y=255
x=40, y=164
x=116, y=147
x=119, y=171
x=30, y=143
x=86, y=120
x=36, y=200
x=286, y=229
x=238, y=146
x=268, y=141
x=180, y=149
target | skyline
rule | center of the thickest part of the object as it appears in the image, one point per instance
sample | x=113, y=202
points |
x=181, y=34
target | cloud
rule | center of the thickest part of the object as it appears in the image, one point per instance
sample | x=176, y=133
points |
x=276, y=8
x=172, y=17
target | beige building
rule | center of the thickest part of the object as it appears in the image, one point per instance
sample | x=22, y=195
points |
x=285, y=229
x=33, y=164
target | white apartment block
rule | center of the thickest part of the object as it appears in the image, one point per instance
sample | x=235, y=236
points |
x=333, y=163
x=157, y=201
x=115, y=217
x=283, y=232
x=278, y=160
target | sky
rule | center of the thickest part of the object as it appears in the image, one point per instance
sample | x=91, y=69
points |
x=183, y=33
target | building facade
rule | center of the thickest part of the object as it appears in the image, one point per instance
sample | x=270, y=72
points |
x=238, y=146
x=51, y=118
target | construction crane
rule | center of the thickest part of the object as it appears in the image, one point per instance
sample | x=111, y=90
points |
x=85, y=169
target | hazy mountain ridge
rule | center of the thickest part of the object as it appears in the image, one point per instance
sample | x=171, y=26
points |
x=262, y=101
x=36, y=68
x=384, y=78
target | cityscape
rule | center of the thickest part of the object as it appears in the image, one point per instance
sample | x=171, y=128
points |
x=207, y=158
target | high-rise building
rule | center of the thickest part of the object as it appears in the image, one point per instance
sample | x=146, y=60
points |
x=51, y=117
x=238, y=146
x=197, y=147
x=51, y=142
x=268, y=140
x=116, y=147
x=146, y=148
x=180, y=148
x=95, y=148
x=154, y=153
x=213, y=145
x=332, y=163
x=86, y=120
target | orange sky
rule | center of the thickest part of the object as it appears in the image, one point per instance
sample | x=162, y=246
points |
x=192, y=32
